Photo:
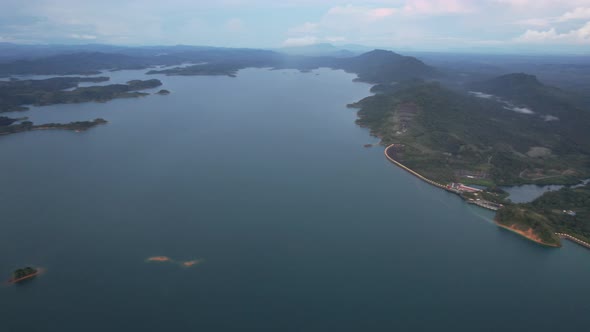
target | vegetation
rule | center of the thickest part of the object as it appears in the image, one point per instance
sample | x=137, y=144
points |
x=24, y=272
x=564, y=211
x=452, y=136
x=29, y=126
x=5, y=121
x=529, y=223
x=82, y=63
x=377, y=66
x=16, y=93
x=214, y=69
x=381, y=66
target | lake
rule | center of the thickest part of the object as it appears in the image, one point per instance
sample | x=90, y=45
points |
x=264, y=179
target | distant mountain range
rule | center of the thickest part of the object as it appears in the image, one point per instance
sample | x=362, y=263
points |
x=378, y=66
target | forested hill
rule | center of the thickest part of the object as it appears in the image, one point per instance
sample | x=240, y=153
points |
x=566, y=112
x=381, y=66
x=74, y=64
x=450, y=135
x=527, y=89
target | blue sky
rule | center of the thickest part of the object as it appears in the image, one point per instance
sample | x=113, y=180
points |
x=503, y=25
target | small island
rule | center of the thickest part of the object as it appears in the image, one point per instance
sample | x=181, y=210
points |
x=23, y=274
x=77, y=126
x=163, y=92
x=210, y=69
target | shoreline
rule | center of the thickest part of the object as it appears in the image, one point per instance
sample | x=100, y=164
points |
x=573, y=239
x=436, y=184
x=527, y=236
x=509, y=228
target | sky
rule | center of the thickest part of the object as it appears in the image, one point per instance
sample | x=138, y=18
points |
x=429, y=25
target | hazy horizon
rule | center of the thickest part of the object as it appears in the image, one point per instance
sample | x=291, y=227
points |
x=495, y=26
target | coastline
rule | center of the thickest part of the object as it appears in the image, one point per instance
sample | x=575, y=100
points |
x=573, y=239
x=527, y=235
x=409, y=170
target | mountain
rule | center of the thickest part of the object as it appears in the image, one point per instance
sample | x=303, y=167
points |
x=380, y=66
x=377, y=66
x=567, y=111
x=76, y=63
x=136, y=58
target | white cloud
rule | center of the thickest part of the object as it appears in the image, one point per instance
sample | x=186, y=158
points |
x=83, y=36
x=418, y=24
x=437, y=7
x=357, y=14
x=580, y=13
x=576, y=14
x=538, y=22
x=576, y=36
x=301, y=41
x=305, y=28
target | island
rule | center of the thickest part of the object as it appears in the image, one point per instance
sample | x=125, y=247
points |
x=212, y=69
x=64, y=90
x=23, y=274
x=163, y=92
x=77, y=126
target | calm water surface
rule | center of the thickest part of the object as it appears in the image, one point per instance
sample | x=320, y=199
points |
x=264, y=177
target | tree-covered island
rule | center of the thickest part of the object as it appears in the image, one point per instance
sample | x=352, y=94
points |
x=15, y=94
x=24, y=126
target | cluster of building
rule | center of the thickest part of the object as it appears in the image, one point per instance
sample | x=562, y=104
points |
x=461, y=188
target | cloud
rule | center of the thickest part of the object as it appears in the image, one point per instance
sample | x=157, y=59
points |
x=539, y=22
x=305, y=28
x=580, y=13
x=84, y=37
x=576, y=14
x=541, y=4
x=301, y=41
x=576, y=36
x=437, y=7
x=358, y=14
x=234, y=25
x=417, y=24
